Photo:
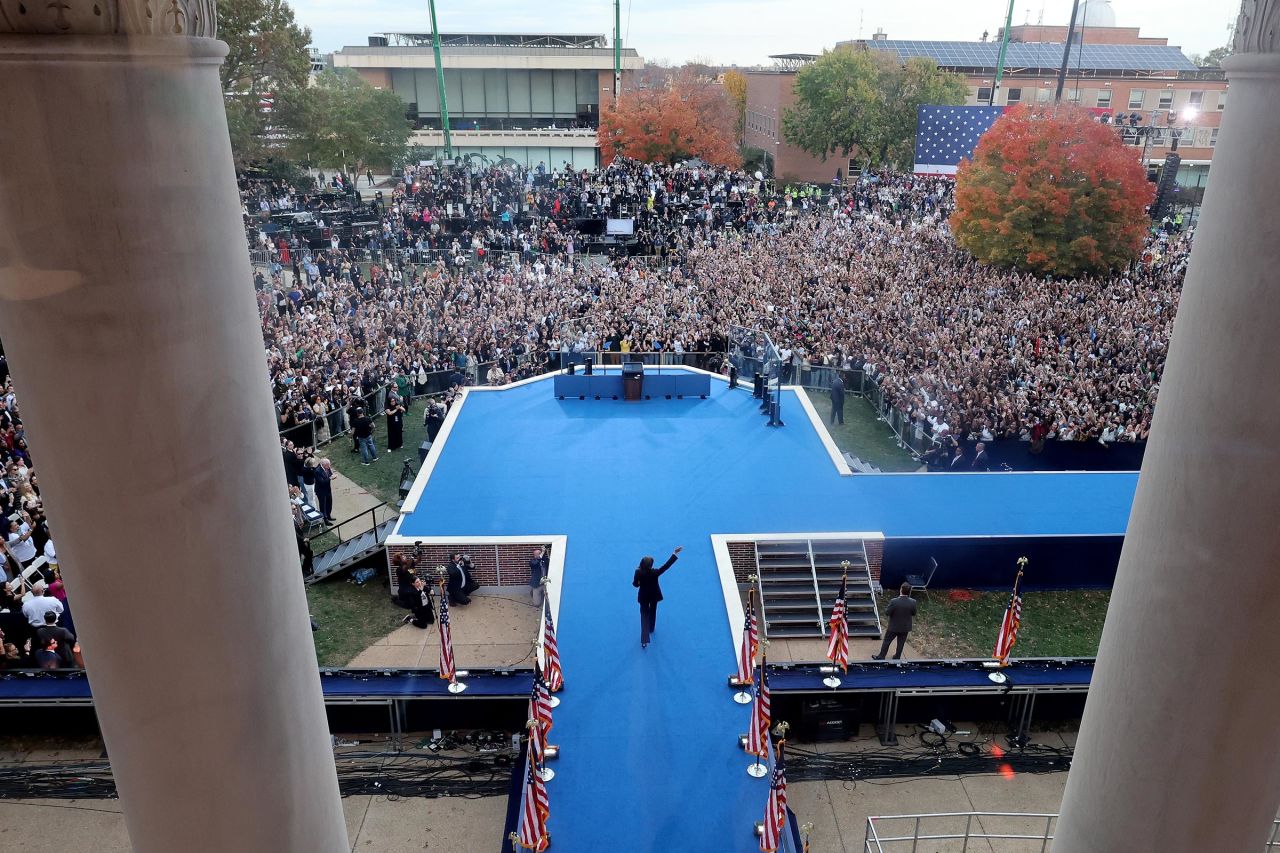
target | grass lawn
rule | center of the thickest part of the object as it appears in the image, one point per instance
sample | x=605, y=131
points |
x=350, y=617
x=1065, y=623
x=863, y=434
x=382, y=477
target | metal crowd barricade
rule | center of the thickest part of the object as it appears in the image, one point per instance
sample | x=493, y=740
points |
x=884, y=834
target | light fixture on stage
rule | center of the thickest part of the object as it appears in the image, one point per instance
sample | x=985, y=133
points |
x=832, y=680
x=742, y=697
x=570, y=368
x=586, y=366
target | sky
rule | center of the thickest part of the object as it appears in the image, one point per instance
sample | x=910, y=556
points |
x=746, y=32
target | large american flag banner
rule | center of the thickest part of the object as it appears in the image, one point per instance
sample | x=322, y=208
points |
x=532, y=833
x=447, y=669
x=947, y=135
x=838, y=642
x=551, y=651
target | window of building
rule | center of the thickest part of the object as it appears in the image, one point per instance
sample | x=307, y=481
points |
x=1014, y=97
x=1073, y=96
x=1196, y=100
x=1104, y=99
x=1213, y=137
x=1043, y=95
x=1136, y=98
x=1222, y=100
x=984, y=94
x=1166, y=100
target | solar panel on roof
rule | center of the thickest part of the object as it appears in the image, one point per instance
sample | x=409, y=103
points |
x=1111, y=57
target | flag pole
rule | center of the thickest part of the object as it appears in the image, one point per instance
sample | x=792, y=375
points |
x=832, y=680
x=742, y=697
x=446, y=633
x=758, y=769
x=1002, y=661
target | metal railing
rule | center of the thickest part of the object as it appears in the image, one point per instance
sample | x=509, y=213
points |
x=886, y=835
x=966, y=826
x=351, y=528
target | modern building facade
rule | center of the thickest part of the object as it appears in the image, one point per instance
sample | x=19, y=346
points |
x=533, y=98
x=1113, y=70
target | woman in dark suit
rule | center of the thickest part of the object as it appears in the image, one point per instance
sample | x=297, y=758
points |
x=646, y=580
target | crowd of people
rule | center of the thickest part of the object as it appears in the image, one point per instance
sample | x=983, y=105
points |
x=862, y=277
x=36, y=628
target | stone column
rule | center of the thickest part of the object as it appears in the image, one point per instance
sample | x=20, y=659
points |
x=1179, y=749
x=128, y=314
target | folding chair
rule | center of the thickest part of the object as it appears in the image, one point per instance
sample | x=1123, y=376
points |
x=920, y=583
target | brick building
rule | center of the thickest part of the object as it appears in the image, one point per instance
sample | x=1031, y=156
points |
x=1111, y=68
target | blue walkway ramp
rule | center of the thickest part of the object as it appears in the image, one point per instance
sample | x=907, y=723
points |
x=650, y=760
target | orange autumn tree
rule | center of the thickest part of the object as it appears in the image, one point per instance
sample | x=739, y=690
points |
x=1052, y=191
x=682, y=119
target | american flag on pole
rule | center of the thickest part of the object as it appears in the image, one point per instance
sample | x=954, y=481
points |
x=540, y=702
x=947, y=135
x=1011, y=622
x=750, y=643
x=537, y=741
x=838, y=643
x=758, y=733
x=775, y=811
x=551, y=652
x=447, y=669
x=532, y=833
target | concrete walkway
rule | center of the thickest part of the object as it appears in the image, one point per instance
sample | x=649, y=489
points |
x=495, y=629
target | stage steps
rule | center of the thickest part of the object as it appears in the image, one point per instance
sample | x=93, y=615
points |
x=350, y=552
x=798, y=580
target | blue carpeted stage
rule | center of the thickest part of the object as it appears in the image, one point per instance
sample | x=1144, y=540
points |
x=650, y=760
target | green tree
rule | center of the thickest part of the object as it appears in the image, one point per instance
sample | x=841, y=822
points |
x=344, y=122
x=267, y=54
x=866, y=101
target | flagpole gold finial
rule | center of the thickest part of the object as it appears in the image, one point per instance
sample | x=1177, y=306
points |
x=531, y=724
x=752, y=578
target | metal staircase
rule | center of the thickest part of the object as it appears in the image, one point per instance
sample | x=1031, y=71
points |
x=368, y=538
x=799, y=579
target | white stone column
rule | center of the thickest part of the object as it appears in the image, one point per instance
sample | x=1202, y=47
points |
x=127, y=312
x=1180, y=745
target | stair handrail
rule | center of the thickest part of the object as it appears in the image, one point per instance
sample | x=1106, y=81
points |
x=871, y=586
x=759, y=581
x=817, y=592
x=372, y=512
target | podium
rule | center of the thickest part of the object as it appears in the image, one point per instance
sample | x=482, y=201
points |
x=633, y=381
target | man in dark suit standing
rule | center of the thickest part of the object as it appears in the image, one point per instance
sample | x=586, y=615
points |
x=837, y=400
x=900, y=612
x=981, y=461
x=537, y=571
x=646, y=580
